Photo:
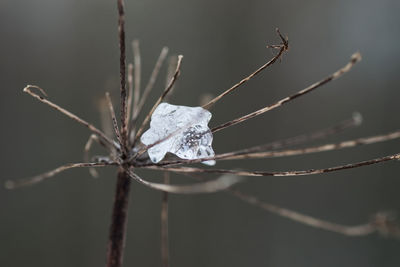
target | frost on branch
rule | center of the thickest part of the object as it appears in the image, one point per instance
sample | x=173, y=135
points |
x=185, y=131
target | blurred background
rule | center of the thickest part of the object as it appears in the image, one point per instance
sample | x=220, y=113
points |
x=70, y=49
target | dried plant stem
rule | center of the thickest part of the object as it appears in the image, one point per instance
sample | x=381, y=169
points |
x=212, y=186
x=28, y=90
x=297, y=140
x=356, y=230
x=39, y=178
x=164, y=225
x=130, y=94
x=114, y=121
x=116, y=243
x=93, y=172
x=282, y=48
x=315, y=149
x=354, y=59
x=283, y=173
x=161, y=98
x=151, y=82
x=122, y=70
x=137, y=74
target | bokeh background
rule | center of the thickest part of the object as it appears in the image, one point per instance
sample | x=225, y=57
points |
x=70, y=48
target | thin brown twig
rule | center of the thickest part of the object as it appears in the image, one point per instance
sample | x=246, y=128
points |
x=122, y=58
x=164, y=224
x=356, y=230
x=147, y=90
x=114, y=121
x=248, y=154
x=212, y=186
x=354, y=59
x=119, y=217
x=92, y=128
x=171, y=66
x=93, y=172
x=380, y=222
x=105, y=122
x=137, y=74
x=130, y=94
x=151, y=82
x=283, y=47
x=161, y=98
x=116, y=241
x=9, y=184
x=281, y=173
x=292, y=141
x=315, y=149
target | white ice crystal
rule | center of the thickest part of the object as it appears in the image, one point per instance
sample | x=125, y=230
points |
x=185, y=131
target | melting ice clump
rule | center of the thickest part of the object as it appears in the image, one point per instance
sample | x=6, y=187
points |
x=187, y=129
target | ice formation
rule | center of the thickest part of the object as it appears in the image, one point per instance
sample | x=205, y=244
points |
x=185, y=131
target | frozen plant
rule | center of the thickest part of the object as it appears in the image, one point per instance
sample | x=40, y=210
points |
x=183, y=131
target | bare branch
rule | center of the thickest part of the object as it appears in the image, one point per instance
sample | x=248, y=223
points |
x=122, y=58
x=116, y=239
x=354, y=121
x=101, y=135
x=151, y=82
x=315, y=149
x=137, y=74
x=161, y=98
x=114, y=120
x=204, y=187
x=283, y=47
x=283, y=173
x=354, y=59
x=164, y=225
x=93, y=172
x=357, y=230
x=36, y=179
x=130, y=94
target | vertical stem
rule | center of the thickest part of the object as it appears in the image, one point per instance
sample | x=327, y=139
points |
x=116, y=242
x=122, y=70
x=164, y=225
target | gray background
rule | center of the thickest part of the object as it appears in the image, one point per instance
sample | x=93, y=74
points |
x=70, y=48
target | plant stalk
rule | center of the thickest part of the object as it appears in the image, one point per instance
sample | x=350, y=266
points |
x=116, y=242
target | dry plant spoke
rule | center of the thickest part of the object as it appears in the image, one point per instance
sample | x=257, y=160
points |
x=39, y=178
x=282, y=173
x=171, y=66
x=114, y=121
x=297, y=140
x=356, y=230
x=161, y=98
x=137, y=74
x=151, y=82
x=28, y=90
x=282, y=48
x=381, y=222
x=122, y=70
x=93, y=172
x=354, y=121
x=130, y=95
x=308, y=150
x=216, y=185
x=354, y=59
x=105, y=121
x=164, y=224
